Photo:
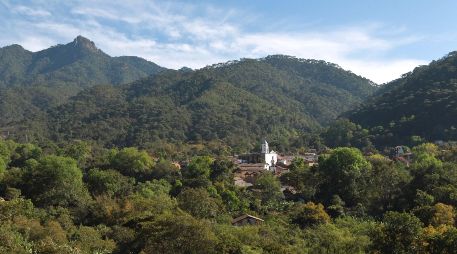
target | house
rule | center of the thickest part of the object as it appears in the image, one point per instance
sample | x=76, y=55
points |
x=246, y=219
x=249, y=172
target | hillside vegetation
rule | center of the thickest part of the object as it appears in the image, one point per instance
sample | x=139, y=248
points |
x=76, y=64
x=237, y=103
x=420, y=105
x=234, y=103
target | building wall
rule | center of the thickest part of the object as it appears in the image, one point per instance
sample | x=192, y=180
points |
x=269, y=157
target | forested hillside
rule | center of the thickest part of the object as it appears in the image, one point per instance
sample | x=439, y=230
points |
x=234, y=103
x=76, y=64
x=420, y=105
x=31, y=83
x=238, y=103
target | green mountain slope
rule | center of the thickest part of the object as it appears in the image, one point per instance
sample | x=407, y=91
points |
x=73, y=91
x=422, y=103
x=236, y=103
x=32, y=83
x=79, y=63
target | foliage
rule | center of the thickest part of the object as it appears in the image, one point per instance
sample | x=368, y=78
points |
x=269, y=188
x=132, y=162
x=231, y=105
x=80, y=197
x=55, y=180
x=419, y=106
x=199, y=203
x=345, y=172
x=309, y=214
x=399, y=233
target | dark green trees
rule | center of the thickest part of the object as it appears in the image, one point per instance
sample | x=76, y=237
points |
x=55, y=180
x=345, y=173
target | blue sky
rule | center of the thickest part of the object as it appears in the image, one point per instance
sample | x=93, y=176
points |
x=377, y=39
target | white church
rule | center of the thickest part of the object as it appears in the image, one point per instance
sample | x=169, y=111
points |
x=266, y=157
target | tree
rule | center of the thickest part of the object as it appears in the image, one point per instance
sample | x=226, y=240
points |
x=6, y=147
x=439, y=240
x=55, y=180
x=297, y=163
x=343, y=132
x=346, y=235
x=164, y=169
x=269, y=187
x=90, y=240
x=222, y=170
x=78, y=150
x=109, y=182
x=302, y=178
x=309, y=214
x=344, y=173
x=199, y=203
x=24, y=152
x=384, y=186
x=131, y=162
x=177, y=233
x=399, y=233
x=443, y=215
x=197, y=172
x=2, y=168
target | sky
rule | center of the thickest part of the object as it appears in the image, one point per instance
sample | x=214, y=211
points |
x=379, y=40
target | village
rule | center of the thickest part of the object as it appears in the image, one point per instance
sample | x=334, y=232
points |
x=251, y=165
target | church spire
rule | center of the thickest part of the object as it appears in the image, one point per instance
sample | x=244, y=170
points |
x=265, y=148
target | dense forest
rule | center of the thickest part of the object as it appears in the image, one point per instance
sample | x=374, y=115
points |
x=83, y=198
x=76, y=64
x=422, y=105
x=233, y=104
x=119, y=155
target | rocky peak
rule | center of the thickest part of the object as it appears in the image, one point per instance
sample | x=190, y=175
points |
x=82, y=42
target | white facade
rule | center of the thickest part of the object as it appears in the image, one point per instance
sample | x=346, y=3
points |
x=270, y=158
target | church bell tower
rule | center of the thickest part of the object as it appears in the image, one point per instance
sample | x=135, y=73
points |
x=265, y=148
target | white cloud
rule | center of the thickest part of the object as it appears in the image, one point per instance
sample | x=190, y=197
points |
x=176, y=34
x=30, y=12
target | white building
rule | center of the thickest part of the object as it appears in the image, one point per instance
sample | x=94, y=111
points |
x=265, y=157
x=270, y=157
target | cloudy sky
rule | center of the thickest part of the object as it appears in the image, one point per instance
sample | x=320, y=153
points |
x=377, y=39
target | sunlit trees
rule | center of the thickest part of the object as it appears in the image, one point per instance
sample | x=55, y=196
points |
x=132, y=162
x=309, y=214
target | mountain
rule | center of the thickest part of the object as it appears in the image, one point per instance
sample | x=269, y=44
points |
x=76, y=64
x=420, y=105
x=31, y=83
x=77, y=91
x=236, y=103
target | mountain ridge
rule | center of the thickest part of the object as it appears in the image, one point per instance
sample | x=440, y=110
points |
x=77, y=63
x=420, y=105
x=237, y=102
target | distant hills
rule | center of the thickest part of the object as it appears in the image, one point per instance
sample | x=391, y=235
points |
x=74, y=91
x=422, y=105
x=79, y=63
x=33, y=82
x=237, y=103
